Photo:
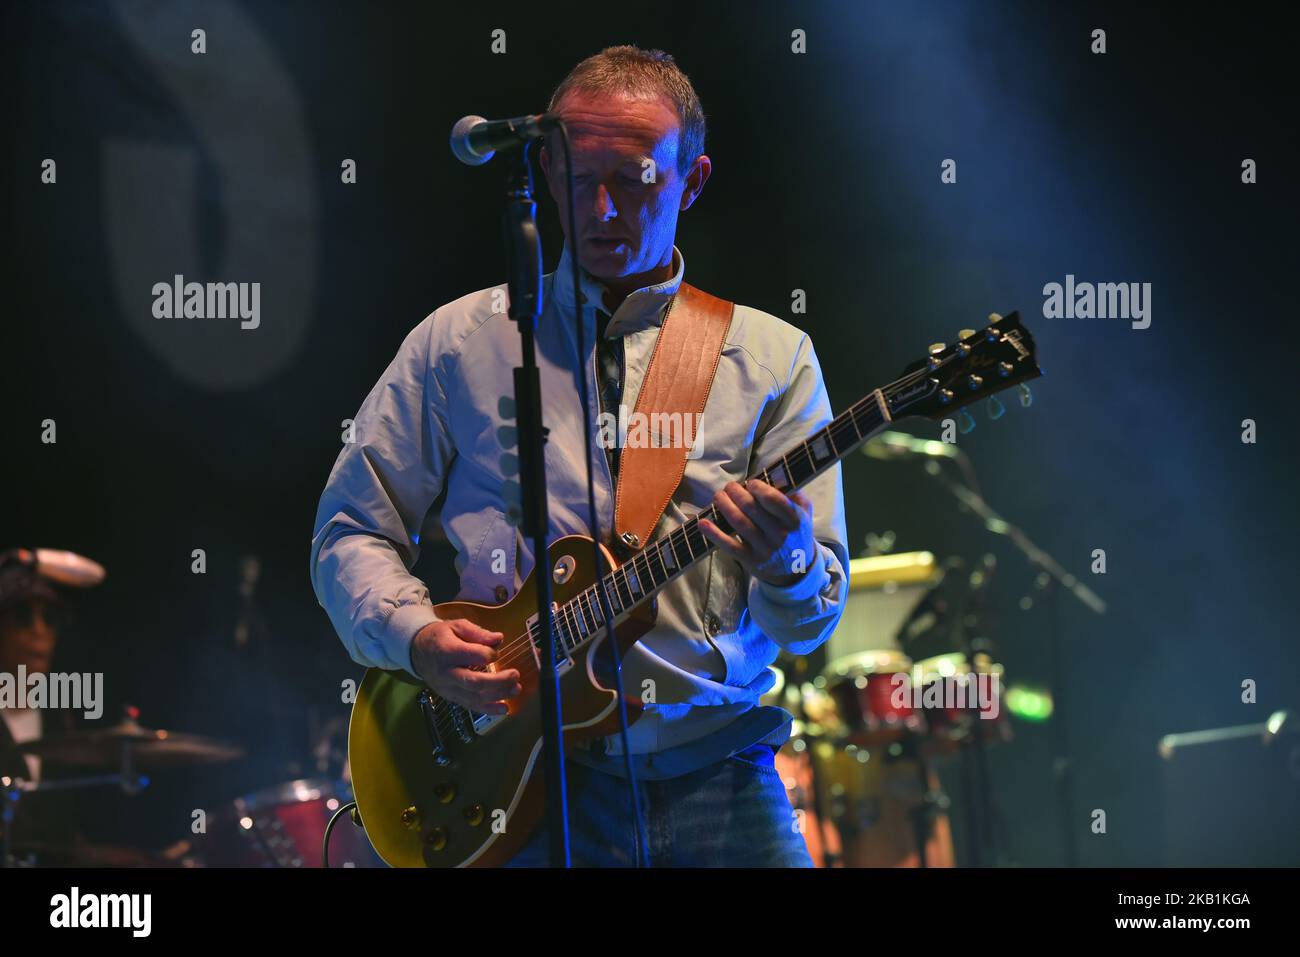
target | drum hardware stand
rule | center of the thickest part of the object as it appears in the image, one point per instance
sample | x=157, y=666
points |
x=1063, y=766
x=1052, y=574
x=979, y=803
x=973, y=750
x=13, y=790
x=974, y=848
x=933, y=801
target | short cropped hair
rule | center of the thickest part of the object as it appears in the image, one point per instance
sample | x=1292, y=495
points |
x=646, y=74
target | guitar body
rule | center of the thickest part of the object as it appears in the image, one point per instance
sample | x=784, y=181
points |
x=476, y=798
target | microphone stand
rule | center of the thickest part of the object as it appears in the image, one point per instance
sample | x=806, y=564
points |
x=13, y=790
x=524, y=249
x=1056, y=576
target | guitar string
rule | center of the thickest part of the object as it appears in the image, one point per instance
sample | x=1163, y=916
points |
x=511, y=651
x=522, y=646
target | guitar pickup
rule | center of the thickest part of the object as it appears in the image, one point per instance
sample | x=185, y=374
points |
x=563, y=660
x=479, y=722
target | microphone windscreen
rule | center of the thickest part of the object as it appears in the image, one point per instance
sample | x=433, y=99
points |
x=460, y=147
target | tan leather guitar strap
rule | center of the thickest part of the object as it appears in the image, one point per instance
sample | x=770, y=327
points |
x=677, y=383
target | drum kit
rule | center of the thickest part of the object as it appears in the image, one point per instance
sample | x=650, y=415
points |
x=872, y=725
x=281, y=826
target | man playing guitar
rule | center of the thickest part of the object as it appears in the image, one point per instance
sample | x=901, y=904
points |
x=703, y=747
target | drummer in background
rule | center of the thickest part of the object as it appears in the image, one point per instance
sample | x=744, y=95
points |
x=29, y=606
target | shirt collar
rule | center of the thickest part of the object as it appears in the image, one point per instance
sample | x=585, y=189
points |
x=641, y=308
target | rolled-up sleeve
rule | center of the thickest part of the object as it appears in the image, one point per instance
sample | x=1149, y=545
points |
x=800, y=616
x=383, y=483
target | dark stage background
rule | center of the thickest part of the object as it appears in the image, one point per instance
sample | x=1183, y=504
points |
x=1122, y=167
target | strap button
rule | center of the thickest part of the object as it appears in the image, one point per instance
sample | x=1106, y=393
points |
x=501, y=593
x=711, y=624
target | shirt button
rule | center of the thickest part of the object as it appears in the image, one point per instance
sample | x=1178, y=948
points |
x=502, y=593
x=711, y=624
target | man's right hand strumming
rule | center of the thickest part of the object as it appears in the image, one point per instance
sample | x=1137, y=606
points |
x=453, y=658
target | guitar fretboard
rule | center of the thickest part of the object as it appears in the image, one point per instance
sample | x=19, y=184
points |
x=664, y=559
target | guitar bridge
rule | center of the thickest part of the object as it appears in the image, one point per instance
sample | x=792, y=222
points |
x=429, y=711
x=463, y=721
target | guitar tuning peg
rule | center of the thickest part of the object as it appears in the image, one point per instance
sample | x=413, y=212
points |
x=965, y=333
x=506, y=407
x=507, y=436
x=995, y=408
x=514, y=516
x=1026, y=397
x=935, y=349
x=509, y=463
x=965, y=422
x=995, y=317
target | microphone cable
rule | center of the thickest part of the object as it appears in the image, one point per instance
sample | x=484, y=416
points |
x=606, y=610
x=334, y=819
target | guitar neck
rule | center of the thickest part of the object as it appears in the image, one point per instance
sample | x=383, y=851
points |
x=663, y=560
x=979, y=364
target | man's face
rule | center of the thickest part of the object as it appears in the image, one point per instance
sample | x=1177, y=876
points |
x=627, y=188
x=26, y=637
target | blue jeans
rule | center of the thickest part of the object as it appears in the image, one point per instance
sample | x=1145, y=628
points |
x=731, y=814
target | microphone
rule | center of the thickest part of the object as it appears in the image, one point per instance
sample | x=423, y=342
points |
x=475, y=140
x=900, y=445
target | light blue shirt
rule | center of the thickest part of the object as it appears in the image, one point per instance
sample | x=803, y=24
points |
x=431, y=422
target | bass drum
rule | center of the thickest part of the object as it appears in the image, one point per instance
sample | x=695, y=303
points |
x=283, y=826
x=877, y=803
x=794, y=764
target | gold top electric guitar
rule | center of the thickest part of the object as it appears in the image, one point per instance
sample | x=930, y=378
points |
x=440, y=785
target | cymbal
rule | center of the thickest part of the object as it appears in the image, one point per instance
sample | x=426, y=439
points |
x=68, y=568
x=56, y=565
x=881, y=571
x=149, y=748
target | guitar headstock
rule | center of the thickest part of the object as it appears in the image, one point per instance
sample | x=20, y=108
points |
x=979, y=364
